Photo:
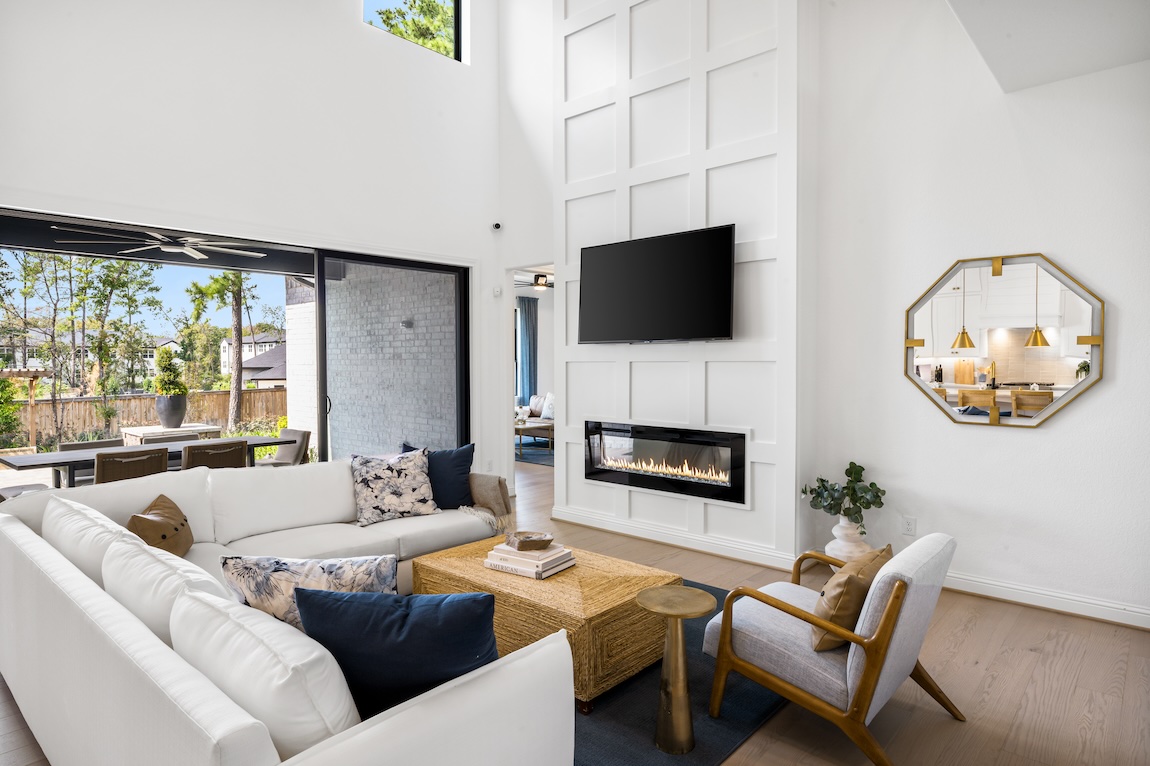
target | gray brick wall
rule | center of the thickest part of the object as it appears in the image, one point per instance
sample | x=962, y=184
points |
x=389, y=383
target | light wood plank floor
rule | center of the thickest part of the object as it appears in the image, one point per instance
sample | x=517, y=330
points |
x=1036, y=687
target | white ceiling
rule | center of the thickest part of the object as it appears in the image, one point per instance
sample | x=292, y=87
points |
x=1034, y=42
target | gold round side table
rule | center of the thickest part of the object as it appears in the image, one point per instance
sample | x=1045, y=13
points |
x=674, y=732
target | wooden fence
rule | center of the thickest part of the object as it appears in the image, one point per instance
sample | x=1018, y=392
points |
x=78, y=414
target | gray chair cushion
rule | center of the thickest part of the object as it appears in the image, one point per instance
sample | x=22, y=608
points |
x=781, y=644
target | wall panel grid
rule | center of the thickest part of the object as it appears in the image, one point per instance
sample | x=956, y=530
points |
x=672, y=115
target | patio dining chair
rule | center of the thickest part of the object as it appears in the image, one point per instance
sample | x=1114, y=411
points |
x=174, y=463
x=216, y=454
x=115, y=466
x=83, y=475
x=765, y=635
x=289, y=454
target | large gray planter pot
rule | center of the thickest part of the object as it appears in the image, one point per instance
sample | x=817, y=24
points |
x=171, y=409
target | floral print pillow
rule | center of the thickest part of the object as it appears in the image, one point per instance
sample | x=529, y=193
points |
x=387, y=489
x=268, y=583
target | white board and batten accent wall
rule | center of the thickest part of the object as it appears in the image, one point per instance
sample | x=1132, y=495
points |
x=672, y=115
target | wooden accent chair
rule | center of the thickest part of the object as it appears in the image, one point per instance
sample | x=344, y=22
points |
x=216, y=455
x=83, y=475
x=941, y=392
x=977, y=398
x=1029, y=400
x=760, y=637
x=114, y=466
x=289, y=454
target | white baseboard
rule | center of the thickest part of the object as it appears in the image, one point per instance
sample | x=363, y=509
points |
x=1136, y=615
x=1123, y=613
x=732, y=549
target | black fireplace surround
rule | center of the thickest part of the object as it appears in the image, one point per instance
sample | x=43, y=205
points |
x=685, y=461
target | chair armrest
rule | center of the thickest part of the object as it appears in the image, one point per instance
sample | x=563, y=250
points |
x=835, y=630
x=796, y=570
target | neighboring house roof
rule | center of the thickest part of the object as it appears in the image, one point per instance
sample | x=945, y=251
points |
x=279, y=372
x=260, y=337
x=36, y=336
x=276, y=357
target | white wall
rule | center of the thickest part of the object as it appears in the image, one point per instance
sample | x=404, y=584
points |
x=674, y=115
x=287, y=120
x=925, y=161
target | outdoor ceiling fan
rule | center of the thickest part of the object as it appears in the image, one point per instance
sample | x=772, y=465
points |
x=148, y=240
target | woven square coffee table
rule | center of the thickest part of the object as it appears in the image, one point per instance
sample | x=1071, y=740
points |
x=612, y=638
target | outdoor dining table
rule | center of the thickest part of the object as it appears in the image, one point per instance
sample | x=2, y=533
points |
x=86, y=458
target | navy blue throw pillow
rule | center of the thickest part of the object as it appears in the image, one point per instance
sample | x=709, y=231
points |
x=392, y=648
x=448, y=470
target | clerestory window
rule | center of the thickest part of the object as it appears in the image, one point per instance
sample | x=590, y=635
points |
x=434, y=24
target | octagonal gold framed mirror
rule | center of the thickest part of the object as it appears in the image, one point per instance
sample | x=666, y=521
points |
x=1007, y=340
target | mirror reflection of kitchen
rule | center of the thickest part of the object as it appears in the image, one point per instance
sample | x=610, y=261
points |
x=1000, y=314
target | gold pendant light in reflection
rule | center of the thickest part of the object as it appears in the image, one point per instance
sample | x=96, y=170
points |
x=963, y=340
x=1036, y=338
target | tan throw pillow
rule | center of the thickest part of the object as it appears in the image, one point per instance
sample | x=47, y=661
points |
x=163, y=525
x=842, y=598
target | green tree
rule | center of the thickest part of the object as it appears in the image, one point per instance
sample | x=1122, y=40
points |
x=429, y=23
x=51, y=287
x=108, y=279
x=131, y=342
x=26, y=276
x=274, y=320
x=199, y=350
x=9, y=413
x=223, y=290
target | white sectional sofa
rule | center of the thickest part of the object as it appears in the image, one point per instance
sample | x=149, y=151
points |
x=98, y=687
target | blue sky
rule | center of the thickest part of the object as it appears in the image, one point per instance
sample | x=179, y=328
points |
x=174, y=280
x=371, y=6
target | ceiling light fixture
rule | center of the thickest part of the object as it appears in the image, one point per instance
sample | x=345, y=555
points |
x=963, y=340
x=540, y=282
x=1036, y=339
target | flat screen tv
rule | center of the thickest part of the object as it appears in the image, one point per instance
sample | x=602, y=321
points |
x=676, y=287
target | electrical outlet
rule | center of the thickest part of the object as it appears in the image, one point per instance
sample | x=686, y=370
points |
x=490, y=466
x=909, y=525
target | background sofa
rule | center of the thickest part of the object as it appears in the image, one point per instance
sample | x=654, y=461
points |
x=98, y=687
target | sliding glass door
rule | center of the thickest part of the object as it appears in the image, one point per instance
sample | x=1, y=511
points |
x=393, y=355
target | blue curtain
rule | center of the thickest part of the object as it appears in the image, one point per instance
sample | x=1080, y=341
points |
x=528, y=332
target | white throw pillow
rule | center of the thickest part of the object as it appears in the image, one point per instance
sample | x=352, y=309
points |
x=547, y=412
x=387, y=489
x=82, y=535
x=147, y=580
x=268, y=583
x=277, y=673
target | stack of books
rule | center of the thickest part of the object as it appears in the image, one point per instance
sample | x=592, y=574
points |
x=538, y=564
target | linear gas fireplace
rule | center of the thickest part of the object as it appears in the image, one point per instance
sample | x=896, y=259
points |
x=709, y=464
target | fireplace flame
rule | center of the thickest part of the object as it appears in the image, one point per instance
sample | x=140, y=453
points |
x=708, y=475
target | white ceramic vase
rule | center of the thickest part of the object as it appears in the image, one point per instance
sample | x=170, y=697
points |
x=848, y=543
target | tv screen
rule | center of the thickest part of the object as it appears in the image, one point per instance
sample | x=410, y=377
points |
x=675, y=287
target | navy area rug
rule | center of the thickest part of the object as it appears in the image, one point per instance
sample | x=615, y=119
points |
x=534, y=451
x=620, y=731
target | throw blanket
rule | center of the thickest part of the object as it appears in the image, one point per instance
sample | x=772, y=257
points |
x=492, y=503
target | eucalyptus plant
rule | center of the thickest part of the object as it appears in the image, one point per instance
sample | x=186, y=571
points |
x=849, y=499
